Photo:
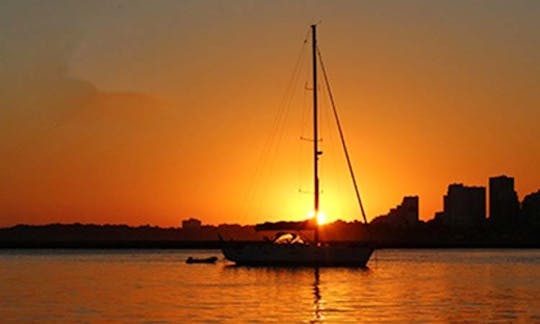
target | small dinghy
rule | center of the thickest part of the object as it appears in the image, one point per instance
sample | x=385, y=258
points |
x=191, y=260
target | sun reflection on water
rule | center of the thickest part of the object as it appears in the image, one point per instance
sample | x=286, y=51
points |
x=157, y=286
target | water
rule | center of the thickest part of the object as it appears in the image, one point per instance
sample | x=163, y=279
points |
x=148, y=286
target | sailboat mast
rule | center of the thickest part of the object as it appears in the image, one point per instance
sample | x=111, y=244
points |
x=316, y=151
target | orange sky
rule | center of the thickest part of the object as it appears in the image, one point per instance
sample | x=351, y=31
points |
x=148, y=112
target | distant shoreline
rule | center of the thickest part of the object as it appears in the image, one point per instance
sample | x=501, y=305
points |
x=379, y=236
x=205, y=245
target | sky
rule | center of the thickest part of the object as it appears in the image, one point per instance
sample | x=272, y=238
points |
x=150, y=112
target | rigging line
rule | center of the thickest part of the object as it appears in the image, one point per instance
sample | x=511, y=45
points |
x=327, y=133
x=299, y=154
x=281, y=120
x=342, y=136
x=289, y=99
x=276, y=125
x=286, y=99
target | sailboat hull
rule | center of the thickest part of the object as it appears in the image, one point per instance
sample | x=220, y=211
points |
x=299, y=255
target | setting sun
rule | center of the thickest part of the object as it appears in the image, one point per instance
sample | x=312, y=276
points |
x=321, y=217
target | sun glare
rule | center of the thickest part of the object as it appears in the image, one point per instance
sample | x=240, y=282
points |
x=321, y=217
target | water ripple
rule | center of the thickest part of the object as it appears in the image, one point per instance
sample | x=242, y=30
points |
x=158, y=287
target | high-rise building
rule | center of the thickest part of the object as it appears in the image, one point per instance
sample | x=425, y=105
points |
x=404, y=215
x=464, y=206
x=503, y=201
x=409, y=209
x=530, y=208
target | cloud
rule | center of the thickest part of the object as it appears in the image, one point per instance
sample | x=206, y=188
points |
x=37, y=93
x=68, y=148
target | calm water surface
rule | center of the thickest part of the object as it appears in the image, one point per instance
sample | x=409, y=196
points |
x=140, y=286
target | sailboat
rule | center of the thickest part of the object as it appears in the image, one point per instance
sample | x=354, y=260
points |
x=289, y=249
